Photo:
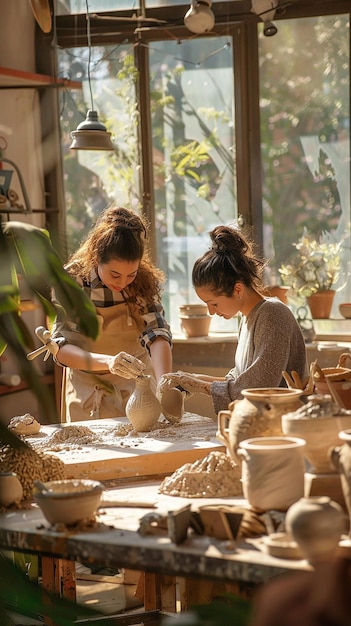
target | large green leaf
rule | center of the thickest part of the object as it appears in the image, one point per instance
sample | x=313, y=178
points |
x=42, y=270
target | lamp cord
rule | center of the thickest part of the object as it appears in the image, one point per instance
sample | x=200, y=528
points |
x=89, y=54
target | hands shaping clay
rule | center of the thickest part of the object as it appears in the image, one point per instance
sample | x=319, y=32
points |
x=126, y=365
x=172, y=390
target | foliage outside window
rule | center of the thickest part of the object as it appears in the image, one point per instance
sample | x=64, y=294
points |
x=304, y=108
x=304, y=104
x=193, y=156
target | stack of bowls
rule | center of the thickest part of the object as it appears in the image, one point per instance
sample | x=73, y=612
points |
x=194, y=320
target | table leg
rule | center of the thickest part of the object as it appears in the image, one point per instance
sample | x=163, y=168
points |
x=59, y=577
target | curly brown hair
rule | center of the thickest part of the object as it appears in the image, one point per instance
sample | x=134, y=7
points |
x=119, y=234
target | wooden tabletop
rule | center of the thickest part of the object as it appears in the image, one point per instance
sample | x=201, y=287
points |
x=118, y=456
x=116, y=542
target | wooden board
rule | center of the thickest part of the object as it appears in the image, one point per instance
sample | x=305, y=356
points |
x=112, y=456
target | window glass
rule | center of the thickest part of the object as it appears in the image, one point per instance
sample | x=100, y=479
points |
x=193, y=146
x=305, y=138
x=192, y=116
x=65, y=7
x=93, y=179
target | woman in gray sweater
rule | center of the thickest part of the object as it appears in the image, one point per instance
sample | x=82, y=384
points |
x=228, y=278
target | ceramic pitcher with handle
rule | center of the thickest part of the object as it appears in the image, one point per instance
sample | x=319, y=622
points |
x=257, y=415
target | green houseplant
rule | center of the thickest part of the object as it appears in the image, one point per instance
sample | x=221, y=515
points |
x=27, y=250
x=314, y=268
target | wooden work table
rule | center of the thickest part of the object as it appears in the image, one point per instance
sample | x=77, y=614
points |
x=116, y=542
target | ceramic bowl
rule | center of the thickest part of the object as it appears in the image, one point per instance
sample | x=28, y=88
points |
x=345, y=309
x=69, y=501
x=282, y=546
x=195, y=326
x=193, y=309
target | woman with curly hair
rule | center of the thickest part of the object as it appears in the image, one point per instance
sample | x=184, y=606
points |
x=228, y=278
x=114, y=268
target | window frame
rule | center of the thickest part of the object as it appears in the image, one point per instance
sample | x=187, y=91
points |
x=241, y=24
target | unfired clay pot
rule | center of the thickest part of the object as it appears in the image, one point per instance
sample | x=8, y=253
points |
x=340, y=457
x=68, y=501
x=11, y=490
x=143, y=409
x=319, y=422
x=258, y=414
x=316, y=523
x=272, y=471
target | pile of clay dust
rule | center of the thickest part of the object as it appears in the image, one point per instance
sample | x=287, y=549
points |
x=216, y=475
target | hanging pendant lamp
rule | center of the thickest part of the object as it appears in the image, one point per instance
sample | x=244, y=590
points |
x=91, y=134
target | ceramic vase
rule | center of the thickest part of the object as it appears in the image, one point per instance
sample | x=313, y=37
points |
x=340, y=457
x=258, y=414
x=272, y=471
x=11, y=490
x=143, y=409
x=316, y=523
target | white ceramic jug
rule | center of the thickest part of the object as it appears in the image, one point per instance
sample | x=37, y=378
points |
x=273, y=471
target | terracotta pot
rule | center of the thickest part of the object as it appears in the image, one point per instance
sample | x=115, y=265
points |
x=258, y=414
x=143, y=409
x=320, y=303
x=273, y=471
x=316, y=523
x=279, y=291
x=193, y=309
x=195, y=325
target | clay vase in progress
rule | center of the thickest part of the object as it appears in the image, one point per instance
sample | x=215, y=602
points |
x=11, y=490
x=316, y=523
x=272, y=471
x=340, y=457
x=257, y=415
x=143, y=409
x=173, y=405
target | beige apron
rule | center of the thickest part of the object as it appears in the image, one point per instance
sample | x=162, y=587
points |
x=88, y=395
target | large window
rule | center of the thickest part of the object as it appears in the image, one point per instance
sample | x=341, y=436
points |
x=198, y=135
x=191, y=111
x=305, y=136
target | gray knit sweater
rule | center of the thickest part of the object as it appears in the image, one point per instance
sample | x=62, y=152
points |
x=270, y=342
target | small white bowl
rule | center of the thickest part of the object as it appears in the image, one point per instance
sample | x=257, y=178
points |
x=69, y=501
x=282, y=546
x=345, y=310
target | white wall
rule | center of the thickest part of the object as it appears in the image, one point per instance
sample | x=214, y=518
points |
x=20, y=127
x=19, y=108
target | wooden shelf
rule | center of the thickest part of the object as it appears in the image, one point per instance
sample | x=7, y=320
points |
x=46, y=379
x=17, y=79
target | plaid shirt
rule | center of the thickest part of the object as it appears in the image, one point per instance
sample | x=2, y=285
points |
x=152, y=315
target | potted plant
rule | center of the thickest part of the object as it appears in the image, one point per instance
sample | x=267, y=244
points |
x=313, y=271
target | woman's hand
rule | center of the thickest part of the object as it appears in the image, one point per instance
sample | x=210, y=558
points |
x=191, y=383
x=126, y=365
